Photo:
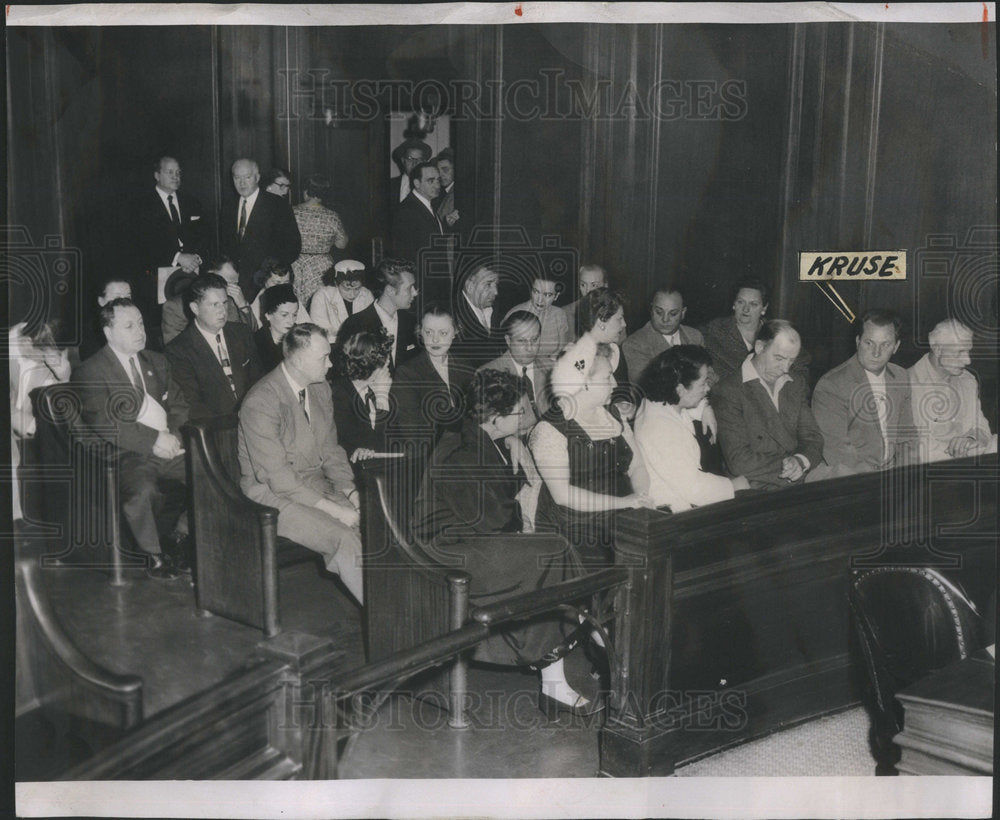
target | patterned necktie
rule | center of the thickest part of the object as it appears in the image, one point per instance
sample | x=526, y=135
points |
x=302, y=401
x=243, y=218
x=372, y=407
x=136, y=376
x=224, y=361
x=531, y=391
x=174, y=216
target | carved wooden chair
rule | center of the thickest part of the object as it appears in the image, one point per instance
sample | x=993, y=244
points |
x=910, y=620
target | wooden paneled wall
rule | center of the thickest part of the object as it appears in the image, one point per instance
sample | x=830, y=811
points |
x=766, y=140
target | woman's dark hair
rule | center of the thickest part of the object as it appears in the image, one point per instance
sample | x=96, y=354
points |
x=750, y=283
x=269, y=266
x=362, y=354
x=273, y=175
x=677, y=365
x=275, y=296
x=597, y=306
x=493, y=393
x=317, y=185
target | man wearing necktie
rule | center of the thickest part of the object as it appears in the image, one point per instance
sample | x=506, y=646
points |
x=130, y=398
x=255, y=226
x=290, y=457
x=169, y=232
x=214, y=360
x=863, y=406
x=414, y=225
x=522, y=333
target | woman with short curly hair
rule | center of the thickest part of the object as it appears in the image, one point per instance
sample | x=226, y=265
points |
x=361, y=393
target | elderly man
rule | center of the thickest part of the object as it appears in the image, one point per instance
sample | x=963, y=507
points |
x=663, y=330
x=290, y=457
x=522, y=335
x=480, y=338
x=237, y=308
x=591, y=277
x=946, y=404
x=394, y=288
x=214, y=360
x=862, y=406
x=255, y=226
x=130, y=398
x=169, y=232
x=766, y=429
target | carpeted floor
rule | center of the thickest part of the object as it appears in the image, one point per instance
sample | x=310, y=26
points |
x=834, y=746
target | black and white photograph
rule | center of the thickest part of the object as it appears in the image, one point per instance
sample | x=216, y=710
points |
x=527, y=409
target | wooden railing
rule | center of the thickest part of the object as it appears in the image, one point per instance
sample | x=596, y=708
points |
x=736, y=621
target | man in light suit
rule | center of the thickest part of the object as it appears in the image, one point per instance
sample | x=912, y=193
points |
x=863, y=406
x=130, y=398
x=766, y=428
x=256, y=226
x=169, y=231
x=522, y=332
x=215, y=361
x=290, y=457
x=394, y=288
x=662, y=331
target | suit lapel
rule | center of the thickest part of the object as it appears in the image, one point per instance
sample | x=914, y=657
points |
x=774, y=419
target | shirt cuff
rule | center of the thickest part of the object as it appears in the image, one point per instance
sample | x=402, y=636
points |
x=177, y=256
x=803, y=461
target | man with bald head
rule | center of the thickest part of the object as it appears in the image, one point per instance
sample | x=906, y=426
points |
x=663, y=330
x=255, y=226
x=946, y=405
x=766, y=428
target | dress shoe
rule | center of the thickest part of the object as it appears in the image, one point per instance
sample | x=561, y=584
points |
x=178, y=552
x=551, y=707
x=160, y=568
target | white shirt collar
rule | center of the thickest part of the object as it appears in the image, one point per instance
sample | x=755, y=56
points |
x=210, y=337
x=296, y=387
x=425, y=200
x=388, y=320
x=749, y=373
x=124, y=361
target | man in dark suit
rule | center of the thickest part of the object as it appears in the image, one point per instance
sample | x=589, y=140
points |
x=480, y=334
x=255, y=226
x=446, y=205
x=522, y=333
x=394, y=288
x=290, y=457
x=169, y=231
x=129, y=397
x=413, y=227
x=766, y=428
x=214, y=361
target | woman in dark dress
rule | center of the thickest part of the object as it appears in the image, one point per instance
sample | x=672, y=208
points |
x=280, y=309
x=586, y=455
x=428, y=391
x=471, y=489
x=361, y=393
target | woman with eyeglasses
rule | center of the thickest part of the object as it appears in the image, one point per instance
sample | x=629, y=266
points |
x=321, y=230
x=472, y=488
x=343, y=294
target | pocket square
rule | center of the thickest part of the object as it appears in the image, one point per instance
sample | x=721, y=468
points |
x=195, y=218
x=164, y=397
x=410, y=347
x=246, y=362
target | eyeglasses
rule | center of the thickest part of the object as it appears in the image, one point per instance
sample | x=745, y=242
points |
x=282, y=185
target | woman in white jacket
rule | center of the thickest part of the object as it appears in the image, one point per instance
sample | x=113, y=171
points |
x=675, y=386
x=343, y=294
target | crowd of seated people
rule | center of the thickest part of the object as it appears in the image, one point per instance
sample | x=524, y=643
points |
x=564, y=416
